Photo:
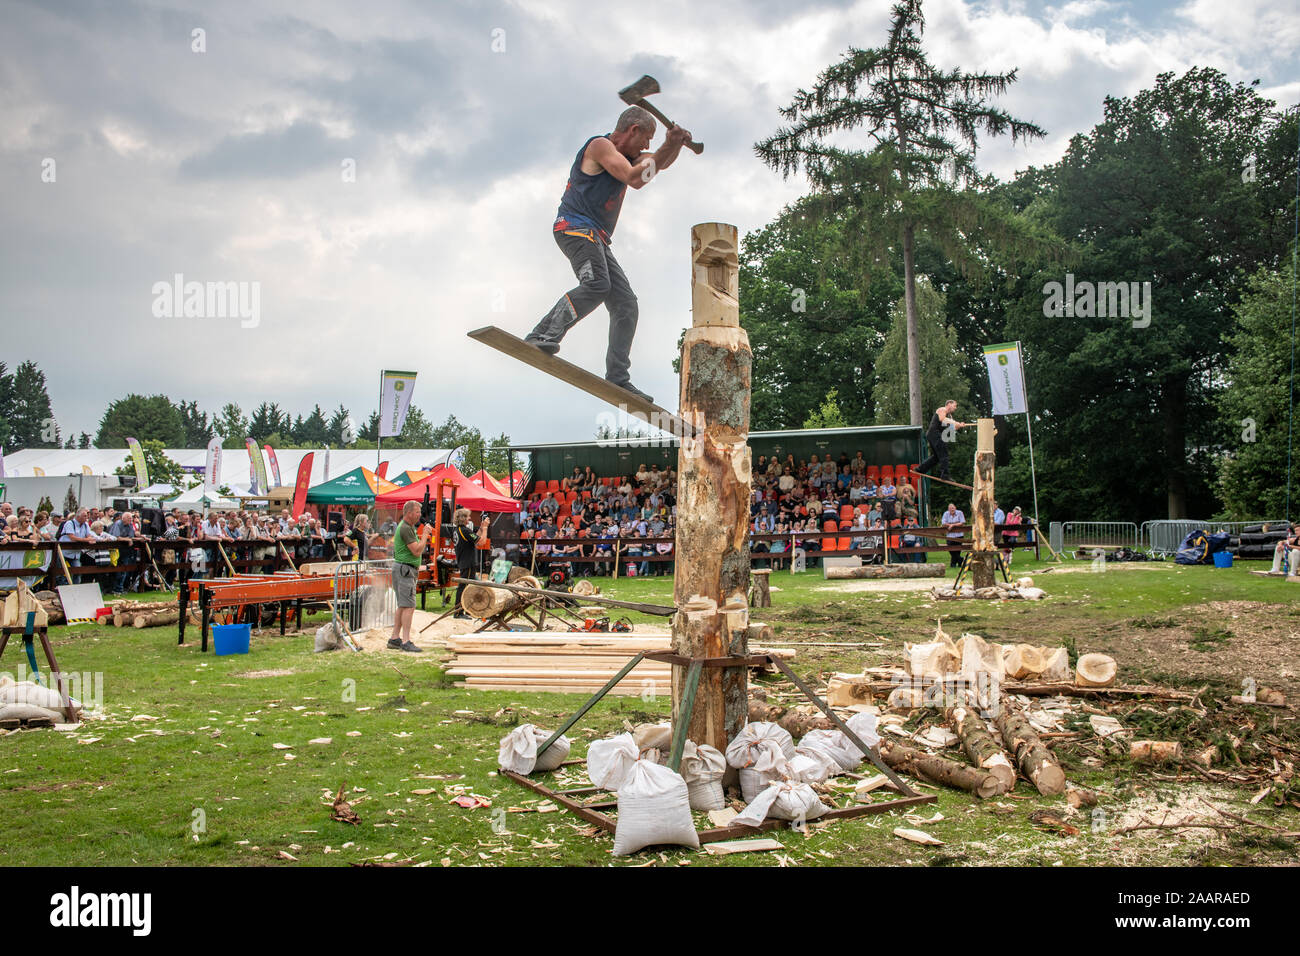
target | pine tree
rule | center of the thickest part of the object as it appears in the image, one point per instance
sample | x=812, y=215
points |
x=31, y=418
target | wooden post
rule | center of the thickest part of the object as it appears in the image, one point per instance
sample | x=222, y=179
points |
x=711, y=583
x=983, y=559
x=762, y=591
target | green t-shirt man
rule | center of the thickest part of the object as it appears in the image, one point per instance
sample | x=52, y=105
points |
x=404, y=537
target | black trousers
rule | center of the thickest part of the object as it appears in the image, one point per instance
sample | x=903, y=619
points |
x=938, y=455
x=462, y=571
x=600, y=279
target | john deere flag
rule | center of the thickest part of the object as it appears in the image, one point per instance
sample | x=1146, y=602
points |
x=1006, y=378
x=137, y=457
x=394, y=399
x=256, y=468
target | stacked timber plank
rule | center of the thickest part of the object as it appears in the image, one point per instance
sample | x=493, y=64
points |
x=561, y=662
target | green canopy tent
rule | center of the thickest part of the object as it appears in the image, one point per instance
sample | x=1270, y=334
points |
x=357, y=487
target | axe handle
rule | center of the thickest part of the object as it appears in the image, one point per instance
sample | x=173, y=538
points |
x=690, y=144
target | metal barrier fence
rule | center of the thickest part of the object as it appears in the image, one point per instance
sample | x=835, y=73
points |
x=364, y=596
x=1164, y=537
x=1111, y=534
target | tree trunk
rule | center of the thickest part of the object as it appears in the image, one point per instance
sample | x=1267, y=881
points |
x=1173, y=399
x=913, y=336
x=940, y=770
x=711, y=583
x=1035, y=760
x=980, y=746
x=983, y=558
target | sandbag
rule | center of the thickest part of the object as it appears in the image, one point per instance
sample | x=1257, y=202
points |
x=518, y=750
x=783, y=800
x=864, y=725
x=702, y=769
x=327, y=638
x=653, y=736
x=811, y=765
x=838, y=747
x=31, y=694
x=28, y=711
x=653, y=808
x=609, y=761
x=760, y=752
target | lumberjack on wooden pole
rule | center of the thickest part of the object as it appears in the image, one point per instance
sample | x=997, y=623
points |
x=711, y=582
x=603, y=169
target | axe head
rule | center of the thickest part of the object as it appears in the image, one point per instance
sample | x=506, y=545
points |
x=646, y=86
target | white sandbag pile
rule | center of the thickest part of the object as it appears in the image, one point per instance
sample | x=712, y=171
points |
x=810, y=765
x=653, y=808
x=609, y=761
x=23, y=700
x=518, y=750
x=835, y=745
x=702, y=769
x=760, y=752
x=782, y=800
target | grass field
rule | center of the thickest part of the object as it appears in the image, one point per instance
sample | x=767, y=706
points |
x=184, y=767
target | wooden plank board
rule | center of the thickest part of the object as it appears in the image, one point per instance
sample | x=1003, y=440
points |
x=622, y=690
x=590, y=383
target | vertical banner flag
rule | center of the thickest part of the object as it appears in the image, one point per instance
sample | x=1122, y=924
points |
x=382, y=470
x=1006, y=378
x=275, y=465
x=327, y=463
x=300, y=486
x=137, y=456
x=256, y=468
x=394, y=400
x=2, y=461
x=212, y=467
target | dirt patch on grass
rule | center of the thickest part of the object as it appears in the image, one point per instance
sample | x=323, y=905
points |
x=276, y=672
x=1227, y=641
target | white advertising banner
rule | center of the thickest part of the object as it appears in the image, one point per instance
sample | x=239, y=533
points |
x=394, y=400
x=1006, y=378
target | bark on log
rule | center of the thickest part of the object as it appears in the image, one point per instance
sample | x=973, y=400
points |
x=761, y=634
x=481, y=601
x=156, y=618
x=939, y=770
x=983, y=546
x=1155, y=751
x=793, y=722
x=1032, y=757
x=928, y=570
x=711, y=583
x=980, y=746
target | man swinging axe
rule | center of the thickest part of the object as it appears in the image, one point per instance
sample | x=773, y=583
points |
x=603, y=169
x=939, y=423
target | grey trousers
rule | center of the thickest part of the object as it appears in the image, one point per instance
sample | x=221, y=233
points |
x=601, y=279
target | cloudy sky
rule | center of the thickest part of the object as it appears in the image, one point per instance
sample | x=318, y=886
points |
x=461, y=120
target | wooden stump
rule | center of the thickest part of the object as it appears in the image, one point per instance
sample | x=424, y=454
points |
x=711, y=583
x=762, y=592
x=983, y=557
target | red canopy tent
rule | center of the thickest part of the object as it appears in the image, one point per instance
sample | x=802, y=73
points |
x=484, y=480
x=468, y=494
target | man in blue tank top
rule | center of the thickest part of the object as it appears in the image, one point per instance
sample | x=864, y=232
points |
x=602, y=171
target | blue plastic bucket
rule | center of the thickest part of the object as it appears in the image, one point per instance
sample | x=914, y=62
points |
x=1222, y=559
x=231, y=638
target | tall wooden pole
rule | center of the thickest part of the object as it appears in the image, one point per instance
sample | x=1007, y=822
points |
x=711, y=581
x=983, y=561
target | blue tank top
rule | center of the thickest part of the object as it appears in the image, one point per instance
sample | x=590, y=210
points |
x=590, y=202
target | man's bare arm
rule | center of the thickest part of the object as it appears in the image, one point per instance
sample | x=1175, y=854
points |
x=602, y=151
